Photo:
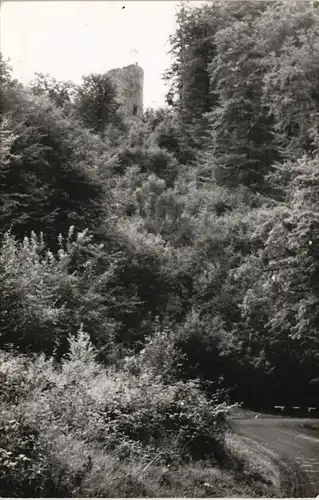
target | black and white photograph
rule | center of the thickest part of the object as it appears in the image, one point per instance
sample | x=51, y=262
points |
x=159, y=249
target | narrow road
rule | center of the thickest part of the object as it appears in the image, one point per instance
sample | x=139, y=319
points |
x=296, y=446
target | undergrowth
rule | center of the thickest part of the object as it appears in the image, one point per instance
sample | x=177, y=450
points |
x=76, y=428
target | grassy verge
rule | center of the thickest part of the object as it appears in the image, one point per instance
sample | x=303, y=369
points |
x=237, y=413
x=256, y=467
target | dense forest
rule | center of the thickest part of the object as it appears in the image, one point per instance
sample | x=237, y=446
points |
x=156, y=271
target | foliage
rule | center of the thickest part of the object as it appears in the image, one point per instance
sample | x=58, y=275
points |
x=240, y=140
x=155, y=270
x=108, y=413
x=281, y=293
x=238, y=70
x=48, y=178
x=8, y=86
x=61, y=93
x=291, y=80
x=150, y=160
x=96, y=102
x=44, y=297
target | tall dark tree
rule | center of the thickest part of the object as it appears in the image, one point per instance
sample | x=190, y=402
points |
x=48, y=174
x=240, y=146
x=290, y=35
x=192, y=49
x=97, y=102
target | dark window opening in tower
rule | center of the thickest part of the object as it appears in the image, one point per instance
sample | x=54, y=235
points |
x=135, y=108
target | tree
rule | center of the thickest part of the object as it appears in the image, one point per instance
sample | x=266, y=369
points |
x=280, y=294
x=8, y=85
x=48, y=174
x=192, y=49
x=60, y=92
x=291, y=83
x=239, y=145
x=97, y=103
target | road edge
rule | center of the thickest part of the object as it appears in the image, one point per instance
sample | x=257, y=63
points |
x=292, y=482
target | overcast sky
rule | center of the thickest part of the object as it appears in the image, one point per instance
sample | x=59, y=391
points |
x=69, y=39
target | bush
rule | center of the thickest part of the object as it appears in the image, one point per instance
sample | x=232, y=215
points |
x=24, y=470
x=78, y=414
x=45, y=297
x=150, y=159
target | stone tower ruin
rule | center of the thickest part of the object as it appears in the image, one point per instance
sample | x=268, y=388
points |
x=129, y=82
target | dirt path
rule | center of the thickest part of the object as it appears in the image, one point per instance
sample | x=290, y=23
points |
x=297, y=448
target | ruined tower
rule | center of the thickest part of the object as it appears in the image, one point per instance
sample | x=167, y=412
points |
x=129, y=82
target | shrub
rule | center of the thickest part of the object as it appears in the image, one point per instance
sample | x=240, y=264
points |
x=99, y=411
x=150, y=159
x=45, y=297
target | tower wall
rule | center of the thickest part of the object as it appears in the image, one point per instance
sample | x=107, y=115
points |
x=130, y=86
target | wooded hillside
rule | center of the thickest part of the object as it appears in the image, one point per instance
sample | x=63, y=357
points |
x=154, y=272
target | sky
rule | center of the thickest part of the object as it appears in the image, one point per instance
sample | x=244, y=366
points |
x=69, y=39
